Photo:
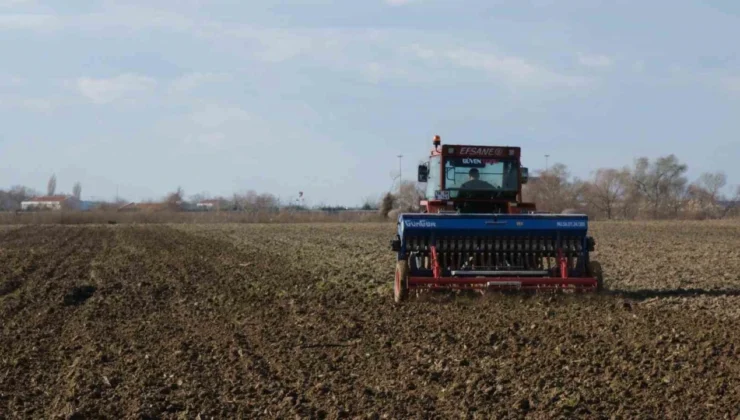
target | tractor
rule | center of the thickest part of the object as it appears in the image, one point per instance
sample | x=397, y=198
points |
x=474, y=231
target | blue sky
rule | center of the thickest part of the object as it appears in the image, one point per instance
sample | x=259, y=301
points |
x=320, y=95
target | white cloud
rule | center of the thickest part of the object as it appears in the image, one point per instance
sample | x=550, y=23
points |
x=273, y=45
x=396, y=3
x=192, y=81
x=263, y=43
x=37, y=105
x=213, y=140
x=27, y=21
x=344, y=50
x=13, y=3
x=125, y=86
x=638, y=66
x=215, y=116
x=732, y=83
x=597, y=61
x=376, y=72
x=279, y=48
x=276, y=45
x=511, y=70
x=10, y=81
x=112, y=17
x=215, y=126
x=27, y=104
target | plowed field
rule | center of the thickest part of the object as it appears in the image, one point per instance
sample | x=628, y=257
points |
x=285, y=321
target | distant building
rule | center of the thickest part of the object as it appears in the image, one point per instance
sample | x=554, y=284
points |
x=209, y=205
x=88, y=205
x=51, y=202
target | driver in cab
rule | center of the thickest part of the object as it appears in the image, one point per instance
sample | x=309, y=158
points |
x=475, y=183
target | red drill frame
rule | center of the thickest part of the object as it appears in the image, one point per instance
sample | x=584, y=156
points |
x=502, y=283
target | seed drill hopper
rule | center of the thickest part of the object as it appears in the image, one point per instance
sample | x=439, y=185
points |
x=474, y=231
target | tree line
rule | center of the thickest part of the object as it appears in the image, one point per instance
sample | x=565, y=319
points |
x=248, y=201
x=11, y=198
x=657, y=189
x=648, y=189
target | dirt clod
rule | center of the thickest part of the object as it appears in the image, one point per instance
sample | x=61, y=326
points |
x=78, y=295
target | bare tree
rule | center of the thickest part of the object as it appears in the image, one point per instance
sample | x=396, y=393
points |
x=677, y=198
x=387, y=204
x=553, y=191
x=733, y=205
x=630, y=206
x=266, y=202
x=409, y=197
x=51, y=186
x=370, y=203
x=254, y=202
x=246, y=201
x=607, y=190
x=704, y=195
x=223, y=203
x=661, y=183
x=174, y=199
x=12, y=198
x=712, y=183
x=77, y=191
x=236, y=202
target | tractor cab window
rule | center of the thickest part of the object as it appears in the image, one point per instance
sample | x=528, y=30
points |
x=433, y=177
x=480, y=174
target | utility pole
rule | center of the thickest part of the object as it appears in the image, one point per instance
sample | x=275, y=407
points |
x=547, y=167
x=400, y=172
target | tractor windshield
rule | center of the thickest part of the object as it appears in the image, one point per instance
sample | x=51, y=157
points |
x=480, y=174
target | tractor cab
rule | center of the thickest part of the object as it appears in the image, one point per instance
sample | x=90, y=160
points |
x=474, y=179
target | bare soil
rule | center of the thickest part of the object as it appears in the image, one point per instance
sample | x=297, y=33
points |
x=284, y=321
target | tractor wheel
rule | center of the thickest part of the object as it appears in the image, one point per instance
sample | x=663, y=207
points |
x=401, y=285
x=594, y=270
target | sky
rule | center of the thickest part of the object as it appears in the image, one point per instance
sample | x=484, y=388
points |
x=136, y=98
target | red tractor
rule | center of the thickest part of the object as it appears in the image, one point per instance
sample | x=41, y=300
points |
x=475, y=232
x=474, y=179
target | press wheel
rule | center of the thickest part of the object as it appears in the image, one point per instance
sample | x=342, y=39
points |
x=594, y=270
x=401, y=284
